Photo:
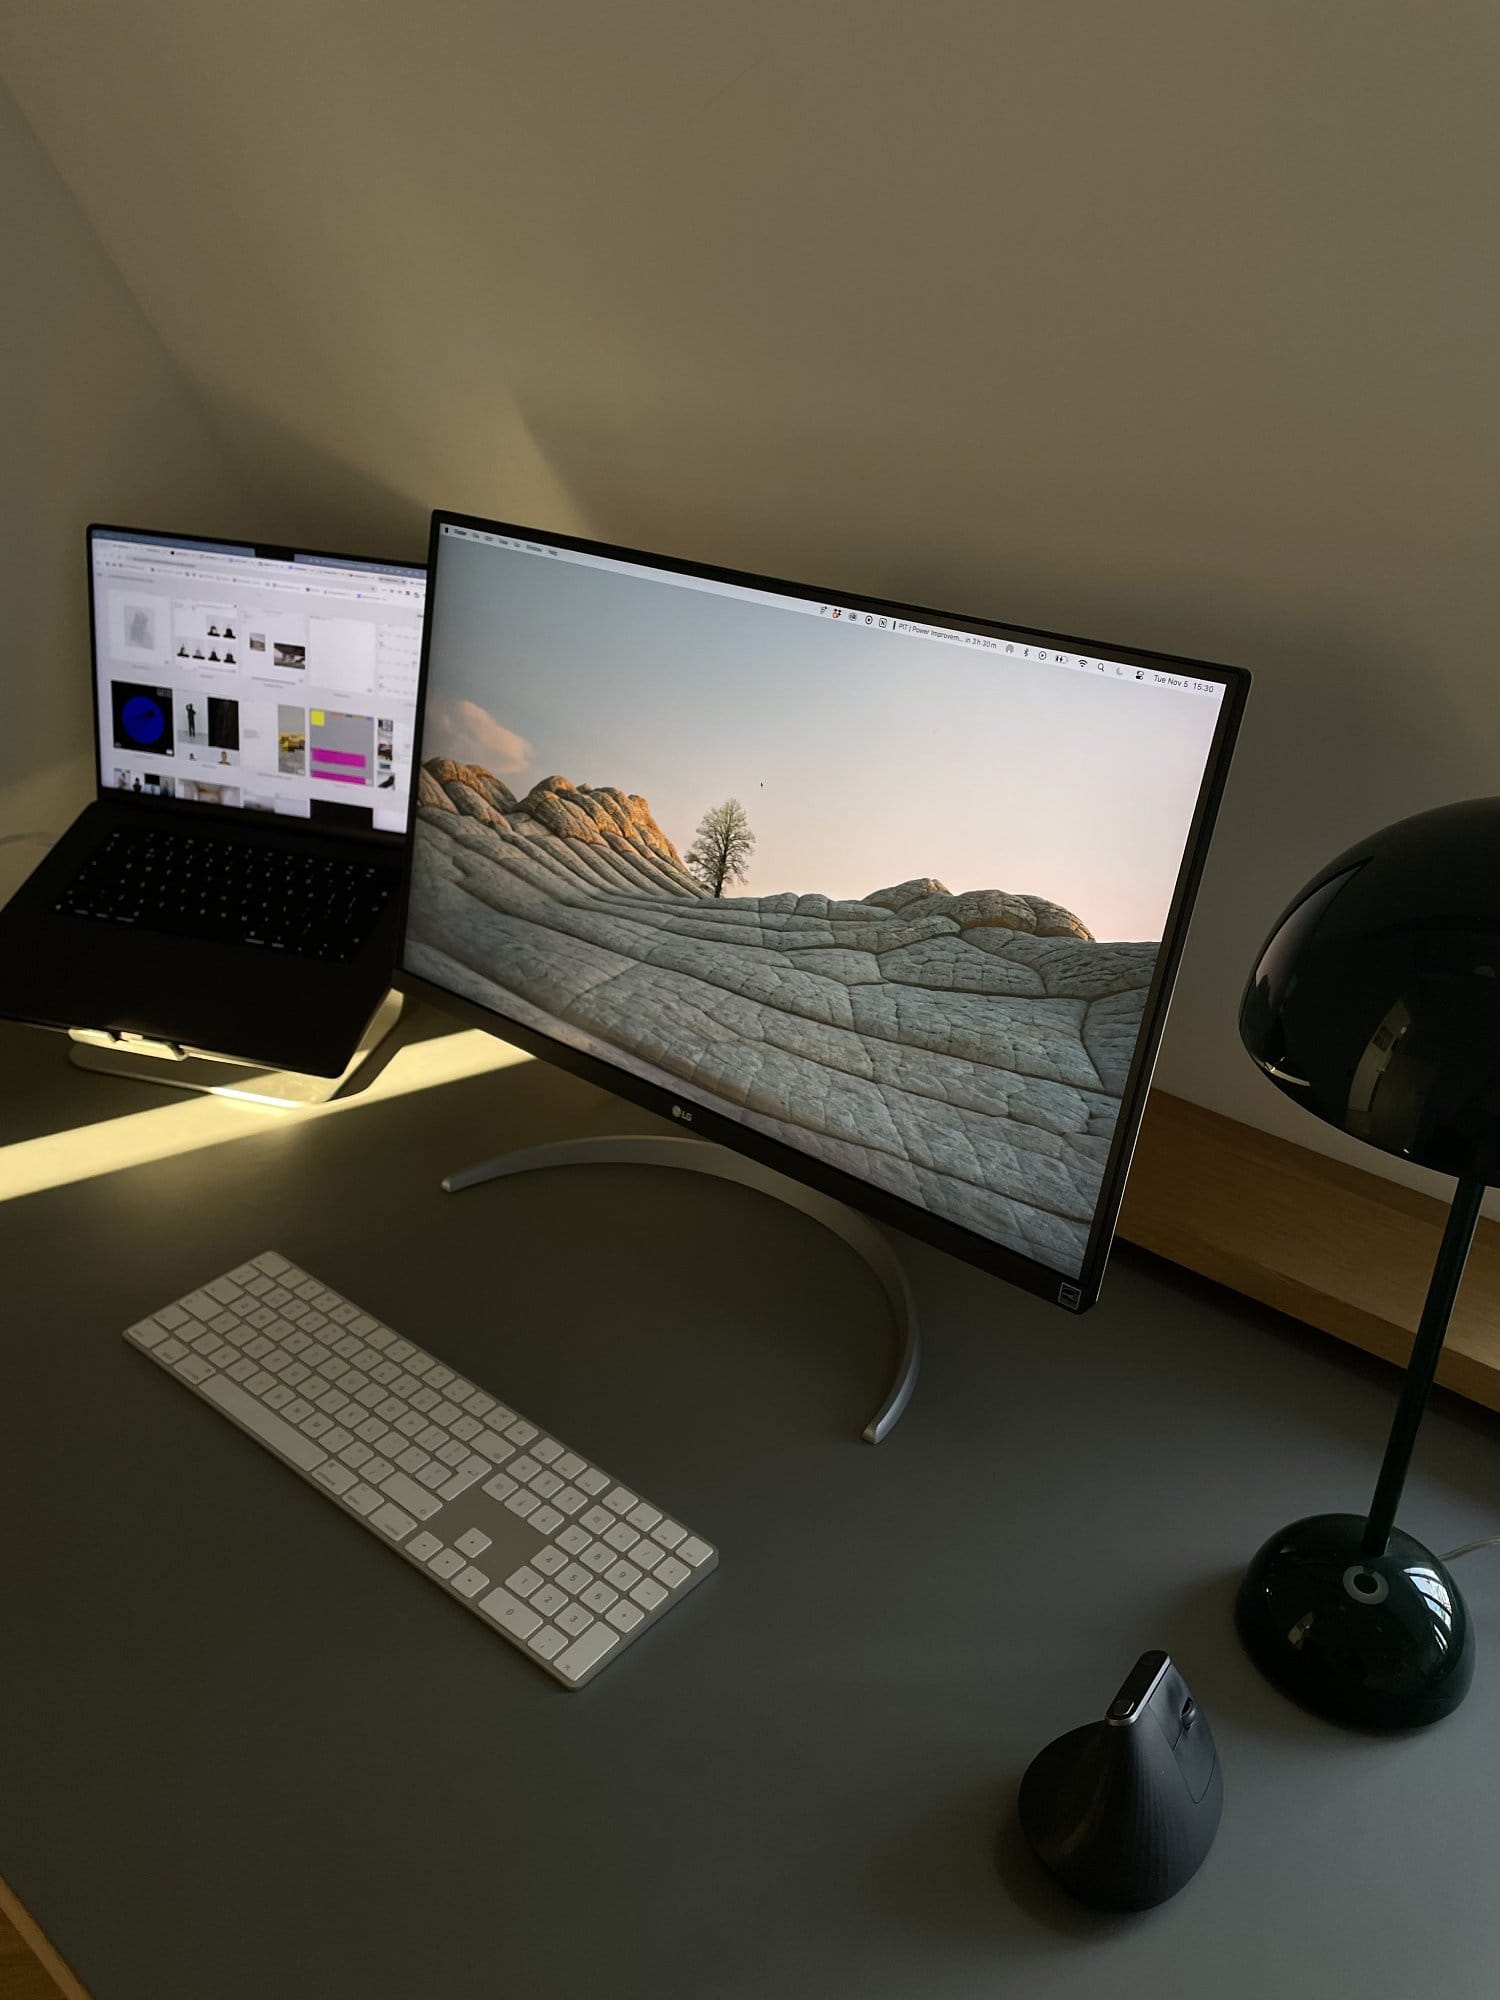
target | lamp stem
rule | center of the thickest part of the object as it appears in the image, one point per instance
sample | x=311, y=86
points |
x=1447, y=1272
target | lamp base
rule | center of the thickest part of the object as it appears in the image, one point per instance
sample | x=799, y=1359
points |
x=1383, y=1643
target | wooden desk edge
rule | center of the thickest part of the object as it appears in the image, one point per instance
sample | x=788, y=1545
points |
x=39, y=1944
x=1337, y=1248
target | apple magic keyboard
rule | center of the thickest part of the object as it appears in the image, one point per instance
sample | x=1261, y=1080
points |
x=558, y=1556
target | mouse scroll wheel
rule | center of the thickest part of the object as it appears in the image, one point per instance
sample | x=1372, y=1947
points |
x=1189, y=1713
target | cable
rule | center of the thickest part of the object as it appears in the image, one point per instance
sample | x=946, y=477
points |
x=1452, y=1555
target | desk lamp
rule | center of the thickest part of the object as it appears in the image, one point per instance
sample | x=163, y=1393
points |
x=1376, y=1006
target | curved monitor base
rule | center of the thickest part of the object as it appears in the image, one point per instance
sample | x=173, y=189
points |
x=698, y=1156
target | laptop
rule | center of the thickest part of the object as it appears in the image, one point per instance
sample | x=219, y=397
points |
x=233, y=889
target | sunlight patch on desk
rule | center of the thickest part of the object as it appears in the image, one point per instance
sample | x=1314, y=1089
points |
x=188, y=1125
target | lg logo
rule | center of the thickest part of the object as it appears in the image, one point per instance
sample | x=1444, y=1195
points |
x=685, y=1116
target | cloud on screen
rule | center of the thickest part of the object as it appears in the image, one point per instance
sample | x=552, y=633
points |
x=471, y=735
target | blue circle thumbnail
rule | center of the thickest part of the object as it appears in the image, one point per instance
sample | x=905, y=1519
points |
x=143, y=719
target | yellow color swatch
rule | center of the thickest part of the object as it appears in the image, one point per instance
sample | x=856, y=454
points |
x=317, y=718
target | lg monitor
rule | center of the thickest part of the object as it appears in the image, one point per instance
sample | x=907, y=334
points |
x=886, y=898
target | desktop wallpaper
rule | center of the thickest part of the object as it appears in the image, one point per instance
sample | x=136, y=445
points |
x=889, y=901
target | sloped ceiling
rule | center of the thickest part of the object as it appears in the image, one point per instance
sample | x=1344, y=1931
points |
x=1169, y=322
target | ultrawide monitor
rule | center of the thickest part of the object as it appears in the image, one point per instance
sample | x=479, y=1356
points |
x=889, y=898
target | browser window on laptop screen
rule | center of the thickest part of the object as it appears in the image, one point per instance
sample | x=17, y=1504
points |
x=280, y=683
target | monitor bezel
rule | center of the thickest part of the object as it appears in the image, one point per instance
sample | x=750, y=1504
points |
x=386, y=839
x=1074, y=1293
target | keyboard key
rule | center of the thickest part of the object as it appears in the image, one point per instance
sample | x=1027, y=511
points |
x=575, y=1580
x=546, y=1520
x=599, y=1597
x=406, y=1493
x=479, y=1404
x=586, y=1652
x=391, y=1521
x=568, y=1501
x=193, y=1367
x=621, y=1500
x=494, y=1447
x=548, y=1600
x=621, y=1537
x=672, y=1572
x=424, y=1545
x=668, y=1534
x=570, y=1465
x=548, y=1561
x=337, y=1478
x=520, y=1432
x=546, y=1449
x=413, y=1459
x=469, y=1582
x=693, y=1551
x=523, y=1581
x=647, y=1554
x=473, y=1543
x=525, y=1468
x=545, y=1483
x=623, y=1575
x=624, y=1616
x=464, y=1478
x=435, y=1476
x=574, y=1619
x=449, y=1563
x=549, y=1642
x=500, y=1487
x=643, y=1516
x=523, y=1503
x=597, y=1556
x=649, y=1593
x=593, y=1481
x=596, y=1521
x=363, y=1499
x=574, y=1540
x=510, y=1612
x=171, y=1349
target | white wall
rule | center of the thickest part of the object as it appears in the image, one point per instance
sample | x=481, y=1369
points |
x=97, y=424
x=1166, y=323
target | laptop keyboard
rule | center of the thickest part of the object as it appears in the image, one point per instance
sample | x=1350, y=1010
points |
x=191, y=884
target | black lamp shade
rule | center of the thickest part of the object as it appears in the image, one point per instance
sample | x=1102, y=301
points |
x=1375, y=1002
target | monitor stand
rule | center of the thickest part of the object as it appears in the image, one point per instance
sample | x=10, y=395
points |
x=697, y=1156
x=143, y=1059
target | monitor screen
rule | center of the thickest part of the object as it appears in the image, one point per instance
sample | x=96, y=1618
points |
x=277, y=681
x=889, y=898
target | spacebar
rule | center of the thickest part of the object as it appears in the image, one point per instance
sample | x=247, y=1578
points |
x=265, y=1424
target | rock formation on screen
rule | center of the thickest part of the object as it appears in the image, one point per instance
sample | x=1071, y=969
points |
x=966, y=1051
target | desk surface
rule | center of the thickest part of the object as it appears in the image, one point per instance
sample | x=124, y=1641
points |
x=246, y=1753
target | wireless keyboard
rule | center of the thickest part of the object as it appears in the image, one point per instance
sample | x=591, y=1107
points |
x=555, y=1554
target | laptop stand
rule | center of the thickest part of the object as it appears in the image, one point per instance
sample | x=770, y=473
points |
x=145, y=1060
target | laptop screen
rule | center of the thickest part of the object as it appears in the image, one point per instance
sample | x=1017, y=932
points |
x=268, y=680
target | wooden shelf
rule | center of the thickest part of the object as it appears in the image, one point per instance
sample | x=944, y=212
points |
x=1343, y=1250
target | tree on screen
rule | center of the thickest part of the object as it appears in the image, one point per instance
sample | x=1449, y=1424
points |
x=722, y=847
